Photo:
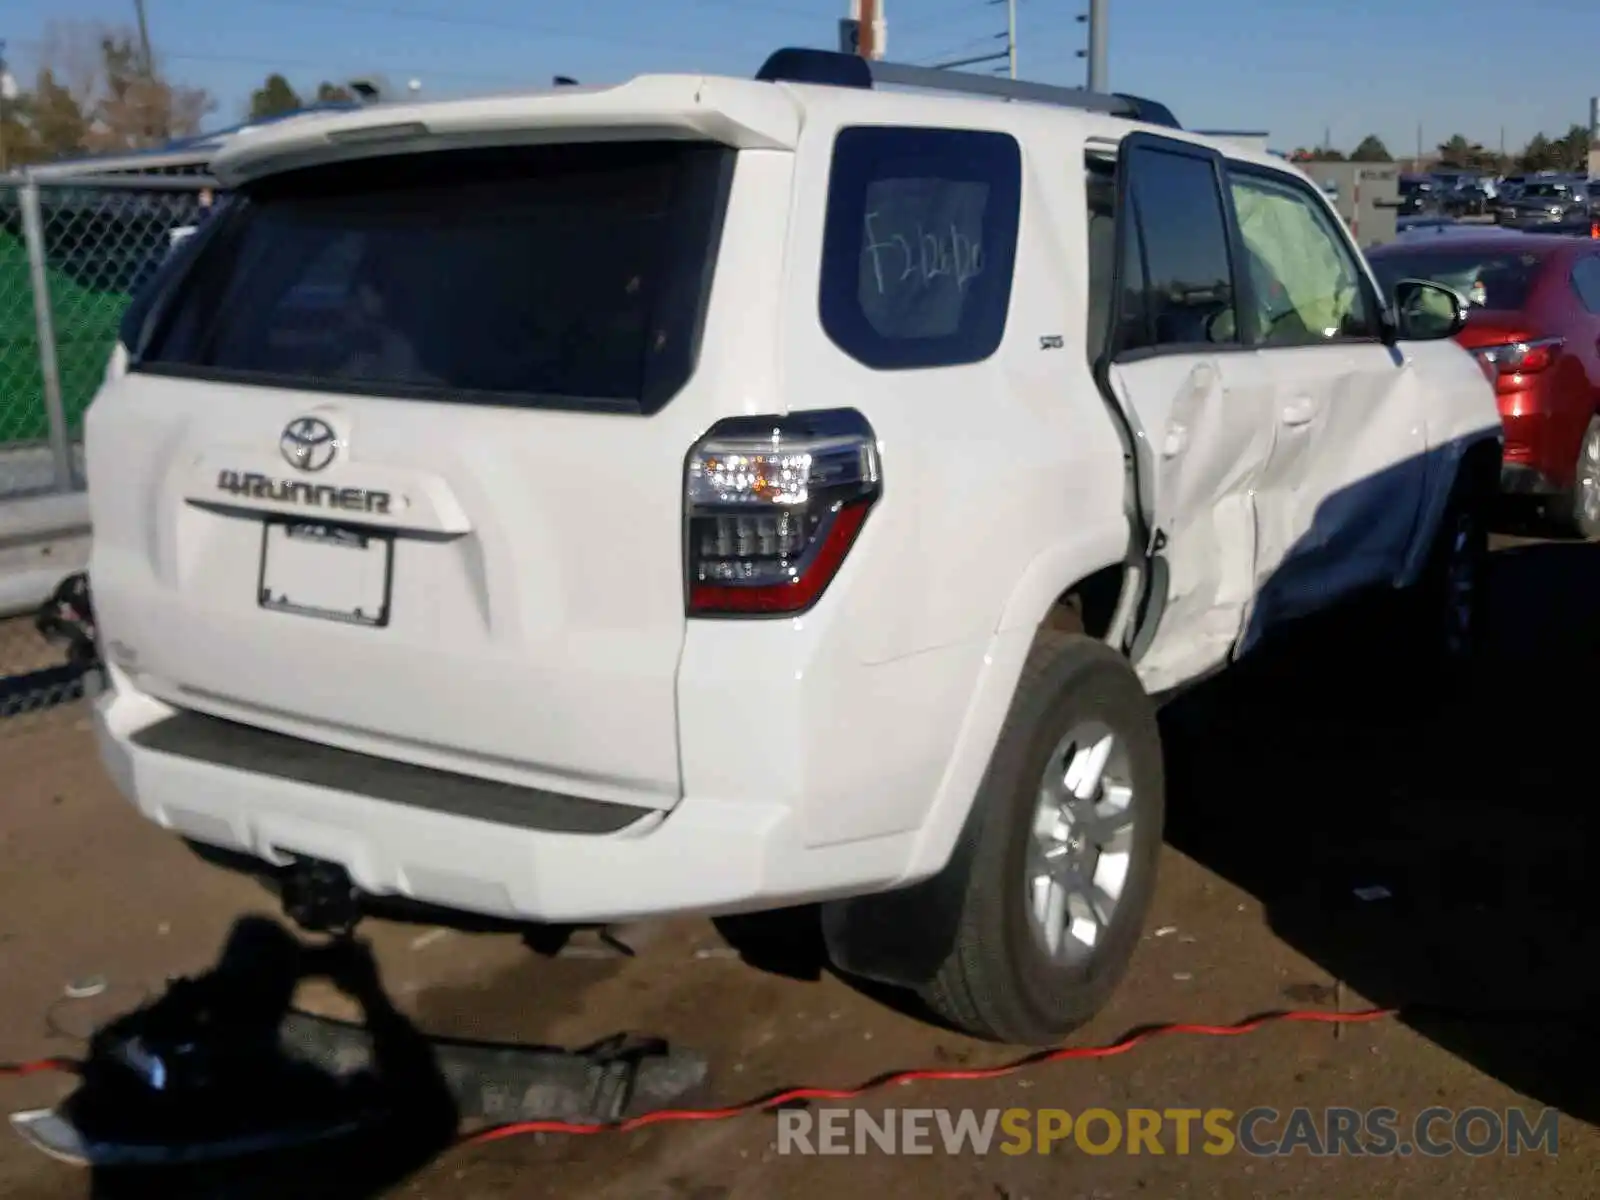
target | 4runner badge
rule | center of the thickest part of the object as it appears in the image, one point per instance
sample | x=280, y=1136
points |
x=255, y=486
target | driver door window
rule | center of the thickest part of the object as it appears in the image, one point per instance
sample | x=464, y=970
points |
x=1305, y=285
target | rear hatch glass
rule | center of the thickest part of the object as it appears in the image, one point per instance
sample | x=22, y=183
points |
x=566, y=276
x=1492, y=279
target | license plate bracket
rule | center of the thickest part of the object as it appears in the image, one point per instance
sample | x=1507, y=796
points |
x=328, y=571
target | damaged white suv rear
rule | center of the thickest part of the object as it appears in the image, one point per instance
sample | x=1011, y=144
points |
x=708, y=495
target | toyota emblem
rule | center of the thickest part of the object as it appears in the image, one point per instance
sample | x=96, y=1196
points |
x=309, y=443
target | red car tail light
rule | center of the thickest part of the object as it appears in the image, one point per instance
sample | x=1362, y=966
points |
x=1506, y=363
x=772, y=506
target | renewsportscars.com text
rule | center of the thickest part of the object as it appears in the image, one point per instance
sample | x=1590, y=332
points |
x=1262, y=1132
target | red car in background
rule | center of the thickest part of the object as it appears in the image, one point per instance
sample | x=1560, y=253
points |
x=1535, y=328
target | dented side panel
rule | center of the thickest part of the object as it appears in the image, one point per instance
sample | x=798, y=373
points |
x=1205, y=421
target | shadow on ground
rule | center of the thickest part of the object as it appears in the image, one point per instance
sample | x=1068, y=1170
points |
x=1321, y=769
x=221, y=1089
x=224, y=1068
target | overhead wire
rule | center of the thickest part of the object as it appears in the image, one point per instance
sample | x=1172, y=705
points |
x=468, y=20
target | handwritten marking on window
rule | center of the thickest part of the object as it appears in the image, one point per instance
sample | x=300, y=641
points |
x=922, y=259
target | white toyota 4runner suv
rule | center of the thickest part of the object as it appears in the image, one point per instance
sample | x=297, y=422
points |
x=706, y=495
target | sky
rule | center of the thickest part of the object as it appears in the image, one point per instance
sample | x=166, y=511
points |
x=1297, y=69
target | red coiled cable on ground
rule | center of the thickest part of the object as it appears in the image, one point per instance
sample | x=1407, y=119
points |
x=792, y=1096
x=39, y=1066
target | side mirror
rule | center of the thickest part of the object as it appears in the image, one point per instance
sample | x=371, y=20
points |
x=1426, y=311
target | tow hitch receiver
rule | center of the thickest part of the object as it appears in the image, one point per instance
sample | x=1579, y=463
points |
x=320, y=897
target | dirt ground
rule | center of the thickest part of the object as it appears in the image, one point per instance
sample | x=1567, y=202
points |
x=1318, y=772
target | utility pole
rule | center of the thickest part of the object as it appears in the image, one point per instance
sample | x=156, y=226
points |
x=1011, y=35
x=1098, y=40
x=867, y=30
x=146, y=61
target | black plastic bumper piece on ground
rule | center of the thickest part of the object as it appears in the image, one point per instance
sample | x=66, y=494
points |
x=65, y=620
x=220, y=1067
x=616, y=1079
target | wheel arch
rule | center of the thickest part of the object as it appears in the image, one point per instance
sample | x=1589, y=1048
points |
x=1481, y=463
x=1473, y=462
x=901, y=937
x=1089, y=584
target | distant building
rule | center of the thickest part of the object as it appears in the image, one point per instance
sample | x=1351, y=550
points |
x=1366, y=195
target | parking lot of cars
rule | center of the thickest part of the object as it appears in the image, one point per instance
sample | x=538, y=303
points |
x=1547, y=201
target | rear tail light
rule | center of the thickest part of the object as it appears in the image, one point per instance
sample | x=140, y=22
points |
x=1507, y=362
x=772, y=506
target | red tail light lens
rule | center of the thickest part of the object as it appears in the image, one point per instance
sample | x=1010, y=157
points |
x=772, y=506
x=1507, y=362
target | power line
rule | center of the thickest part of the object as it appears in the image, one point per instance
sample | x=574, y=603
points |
x=776, y=10
x=972, y=62
x=434, y=16
x=940, y=17
x=332, y=66
x=328, y=66
x=441, y=17
x=975, y=45
x=959, y=57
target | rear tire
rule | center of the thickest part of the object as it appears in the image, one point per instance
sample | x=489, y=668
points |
x=1578, y=511
x=1078, y=701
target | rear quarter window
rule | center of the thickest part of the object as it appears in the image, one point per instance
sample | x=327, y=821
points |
x=919, y=244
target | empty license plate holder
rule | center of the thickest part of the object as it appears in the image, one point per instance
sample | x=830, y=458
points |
x=332, y=572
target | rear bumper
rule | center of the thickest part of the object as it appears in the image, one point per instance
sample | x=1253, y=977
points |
x=1543, y=430
x=1520, y=479
x=704, y=856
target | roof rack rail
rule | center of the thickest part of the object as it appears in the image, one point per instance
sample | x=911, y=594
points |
x=835, y=69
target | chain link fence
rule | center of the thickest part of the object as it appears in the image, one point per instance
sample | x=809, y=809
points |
x=73, y=251
x=76, y=243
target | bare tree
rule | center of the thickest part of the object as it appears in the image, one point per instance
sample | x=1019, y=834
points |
x=59, y=123
x=124, y=106
x=70, y=52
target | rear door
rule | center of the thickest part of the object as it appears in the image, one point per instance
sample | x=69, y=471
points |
x=398, y=464
x=1197, y=404
x=1348, y=471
